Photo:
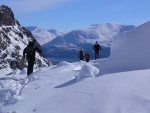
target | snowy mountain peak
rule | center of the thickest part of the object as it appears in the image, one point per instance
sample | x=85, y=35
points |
x=107, y=24
x=6, y=16
x=35, y=29
x=31, y=28
x=42, y=35
x=38, y=30
x=110, y=28
x=53, y=31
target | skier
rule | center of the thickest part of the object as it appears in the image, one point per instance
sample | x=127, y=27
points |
x=81, y=54
x=87, y=56
x=97, y=48
x=29, y=54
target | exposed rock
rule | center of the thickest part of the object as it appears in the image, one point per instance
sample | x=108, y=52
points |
x=13, y=39
x=6, y=16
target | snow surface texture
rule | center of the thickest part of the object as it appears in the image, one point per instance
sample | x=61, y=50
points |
x=55, y=89
x=87, y=70
x=129, y=51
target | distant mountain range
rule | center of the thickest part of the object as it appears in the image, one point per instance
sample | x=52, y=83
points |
x=42, y=35
x=67, y=45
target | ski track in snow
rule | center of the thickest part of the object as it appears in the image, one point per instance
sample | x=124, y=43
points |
x=13, y=87
x=122, y=97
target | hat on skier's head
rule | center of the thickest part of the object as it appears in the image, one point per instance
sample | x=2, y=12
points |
x=34, y=41
x=31, y=44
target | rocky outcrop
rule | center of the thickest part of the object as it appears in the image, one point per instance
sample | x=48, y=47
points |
x=6, y=16
x=13, y=39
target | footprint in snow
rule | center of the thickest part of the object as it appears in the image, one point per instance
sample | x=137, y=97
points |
x=37, y=86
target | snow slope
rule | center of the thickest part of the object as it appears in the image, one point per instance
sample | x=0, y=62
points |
x=129, y=51
x=55, y=90
x=100, y=86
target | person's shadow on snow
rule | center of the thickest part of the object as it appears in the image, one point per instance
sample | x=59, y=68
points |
x=87, y=71
x=66, y=84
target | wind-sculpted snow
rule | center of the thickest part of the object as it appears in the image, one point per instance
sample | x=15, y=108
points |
x=64, y=63
x=50, y=88
x=87, y=71
x=129, y=51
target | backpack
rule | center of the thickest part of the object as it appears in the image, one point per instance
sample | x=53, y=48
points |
x=29, y=50
x=81, y=54
x=87, y=56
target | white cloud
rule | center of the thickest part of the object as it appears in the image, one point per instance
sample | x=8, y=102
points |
x=33, y=5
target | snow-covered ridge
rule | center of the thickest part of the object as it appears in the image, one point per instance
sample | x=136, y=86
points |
x=42, y=35
x=101, y=32
x=130, y=50
x=106, y=31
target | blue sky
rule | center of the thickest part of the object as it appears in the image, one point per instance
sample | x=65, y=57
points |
x=67, y=15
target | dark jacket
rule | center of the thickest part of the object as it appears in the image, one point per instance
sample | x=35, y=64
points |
x=81, y=53
x=97, y=47
x=31, y=55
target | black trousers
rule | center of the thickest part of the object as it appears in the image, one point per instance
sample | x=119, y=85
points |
x=81, y=58
x=30, y=67
x=87, y=60
x=96, y=55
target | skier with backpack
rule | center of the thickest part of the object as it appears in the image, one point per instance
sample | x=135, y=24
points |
x=29, y=54
x=81, y=54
